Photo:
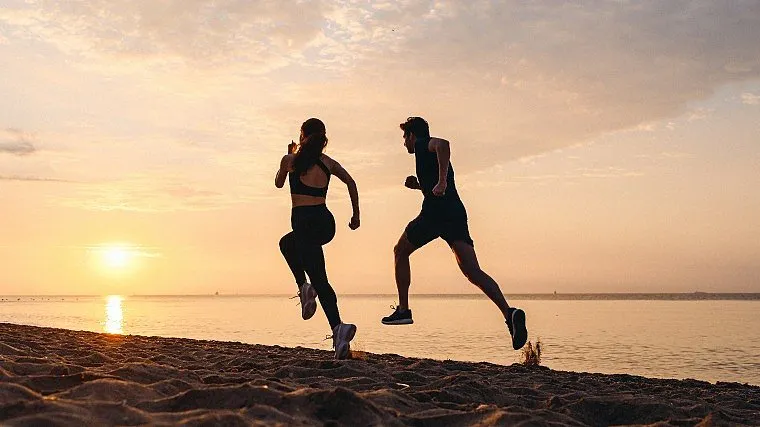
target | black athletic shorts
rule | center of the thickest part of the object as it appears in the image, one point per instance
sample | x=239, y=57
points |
x=423, y=230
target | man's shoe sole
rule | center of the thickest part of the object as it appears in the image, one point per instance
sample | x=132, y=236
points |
x=520, y=336
x=344, y=347
x=398, y=322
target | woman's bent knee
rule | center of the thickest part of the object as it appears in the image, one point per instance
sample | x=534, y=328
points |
x=399, y=251
x=285, y=243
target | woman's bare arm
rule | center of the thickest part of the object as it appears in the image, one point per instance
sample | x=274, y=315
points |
x=286, y=164
x=343, y=175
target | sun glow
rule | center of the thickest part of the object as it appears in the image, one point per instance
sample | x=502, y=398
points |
x=114, y=315
x=116, y=257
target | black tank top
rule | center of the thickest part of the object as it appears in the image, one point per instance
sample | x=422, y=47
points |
x=298, y=187
x=449, y=205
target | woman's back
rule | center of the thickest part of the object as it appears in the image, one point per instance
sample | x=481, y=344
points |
x=310, y=187
x=318, y=175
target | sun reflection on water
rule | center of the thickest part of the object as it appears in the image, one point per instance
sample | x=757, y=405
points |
x=114, y=315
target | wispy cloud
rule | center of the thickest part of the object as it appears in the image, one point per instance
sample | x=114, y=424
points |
x=501, y=79
x=136, y=251
x=517, y=78
x=156, y=194
x=750, y=99
x=699, y=114
x=497, y=176
x=31, y=179
x=259, y=33
x=16, y=142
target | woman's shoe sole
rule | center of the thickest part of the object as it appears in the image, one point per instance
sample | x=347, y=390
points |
x=344, y=346
x=309, y=307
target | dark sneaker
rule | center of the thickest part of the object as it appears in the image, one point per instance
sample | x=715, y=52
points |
x=399, y=317
x=308, y=298
x=516, y=324
x=342, y=336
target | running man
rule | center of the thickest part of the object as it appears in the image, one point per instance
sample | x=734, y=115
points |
x=443, y=215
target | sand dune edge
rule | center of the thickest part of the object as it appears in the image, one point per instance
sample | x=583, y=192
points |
x=64, y=377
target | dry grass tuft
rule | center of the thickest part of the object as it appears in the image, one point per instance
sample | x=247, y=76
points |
x=358, y=355
x=531, y=354
x=357, y=351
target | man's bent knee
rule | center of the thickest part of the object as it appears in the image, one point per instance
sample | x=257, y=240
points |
x=403, y=250
x=472, y=272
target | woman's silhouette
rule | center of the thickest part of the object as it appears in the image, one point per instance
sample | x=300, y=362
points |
x=309, y=171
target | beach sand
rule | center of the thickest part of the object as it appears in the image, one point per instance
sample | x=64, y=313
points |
x=61, y=377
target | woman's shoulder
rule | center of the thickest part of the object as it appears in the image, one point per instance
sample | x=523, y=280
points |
x=287, y=160
x=327, y=160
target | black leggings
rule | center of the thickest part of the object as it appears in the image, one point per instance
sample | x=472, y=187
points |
x=313, y=226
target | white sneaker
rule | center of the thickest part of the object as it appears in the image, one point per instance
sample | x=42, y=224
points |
x=342, y=336
x=308, y=297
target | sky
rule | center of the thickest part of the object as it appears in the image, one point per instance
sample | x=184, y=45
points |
x=599, y=146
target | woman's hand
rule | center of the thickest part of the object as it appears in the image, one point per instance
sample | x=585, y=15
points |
x=292, y=147
x=354, y=224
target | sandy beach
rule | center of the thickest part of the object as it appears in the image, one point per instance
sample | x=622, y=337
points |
x=61, y=377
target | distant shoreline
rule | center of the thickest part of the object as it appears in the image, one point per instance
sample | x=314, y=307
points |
x=621, y=296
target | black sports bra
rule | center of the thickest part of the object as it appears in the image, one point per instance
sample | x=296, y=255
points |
x=298, y=187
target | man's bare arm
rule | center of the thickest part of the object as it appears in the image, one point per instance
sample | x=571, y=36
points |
x=441, y=148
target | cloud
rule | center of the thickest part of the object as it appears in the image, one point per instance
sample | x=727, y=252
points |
x=155, y=194
x=501, y=79
x=259, y=33
x=700, y=114
x=31, y=179
x=515, y=79
x=497, y=178
x=750, y=99
x=15, y=142
x=136, y=251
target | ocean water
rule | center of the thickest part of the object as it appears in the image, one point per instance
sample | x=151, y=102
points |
x=661, y=336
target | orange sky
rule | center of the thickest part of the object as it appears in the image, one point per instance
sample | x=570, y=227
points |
x=599, y=147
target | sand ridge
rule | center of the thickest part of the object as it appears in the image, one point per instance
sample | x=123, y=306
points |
x=61, y=377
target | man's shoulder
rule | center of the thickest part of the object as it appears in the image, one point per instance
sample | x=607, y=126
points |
x=435, y=142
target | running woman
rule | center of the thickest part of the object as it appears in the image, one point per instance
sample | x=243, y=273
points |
x=308, y=170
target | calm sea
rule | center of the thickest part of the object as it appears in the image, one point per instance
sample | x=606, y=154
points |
x=707, y=337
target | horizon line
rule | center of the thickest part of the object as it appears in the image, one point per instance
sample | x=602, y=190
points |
x=437, y=295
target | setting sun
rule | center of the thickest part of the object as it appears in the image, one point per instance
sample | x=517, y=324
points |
x=116, y=257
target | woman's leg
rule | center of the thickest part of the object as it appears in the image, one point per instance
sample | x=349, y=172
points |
x=289, y=249
x=314, y=262
x=311, y=234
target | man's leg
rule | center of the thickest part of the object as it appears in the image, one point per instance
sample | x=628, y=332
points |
x=468, y=263
x=401, y=253
x=417, y=234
